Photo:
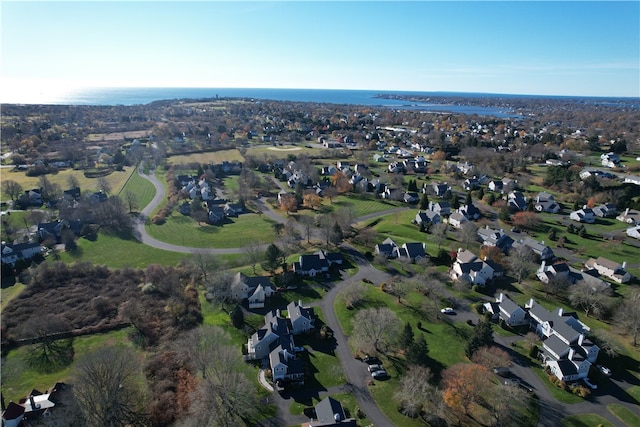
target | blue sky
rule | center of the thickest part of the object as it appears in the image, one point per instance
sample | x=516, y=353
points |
x=547, y=48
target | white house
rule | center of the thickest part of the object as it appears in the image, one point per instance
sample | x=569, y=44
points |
x=630, y=216
x=467, y=266
x=456, y=219
x=610, y=269
x=507, y=310
x=634, y=232
x=11, y=253
x=585, y=215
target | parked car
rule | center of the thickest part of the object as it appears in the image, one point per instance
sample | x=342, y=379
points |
x=448, y=310
x=371, y=360
x=501, y=371
x=606, y=371
x=378, y=375
x=513, y=382
x=373, y=368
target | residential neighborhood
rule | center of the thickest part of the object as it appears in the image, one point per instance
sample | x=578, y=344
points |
x=319, y=269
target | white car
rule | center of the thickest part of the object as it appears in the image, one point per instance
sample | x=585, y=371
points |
x=373, y=368
x=606, y=371
x=380, y=374
x=447, y=310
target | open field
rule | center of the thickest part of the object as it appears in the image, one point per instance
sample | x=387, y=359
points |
x=211, y=157
x=246, y=229
x=18, y=379
x=142, y=188
x=116, y=179
x=117, y=136
x=585, y=420
x=625, y=415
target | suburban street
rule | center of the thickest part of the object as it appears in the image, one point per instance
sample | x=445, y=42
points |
x=551, y=411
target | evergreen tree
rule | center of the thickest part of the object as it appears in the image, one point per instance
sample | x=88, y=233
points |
x=413, y=185
x=424, y=202
x=273, y=256
x=481, y=336
x=480, y=193
x=418, y=352
x=237, y=317
x=553, y=235
x=423, y=227
x=468, y=201
x=406, y=336
x=491, y=199
x=455, y=202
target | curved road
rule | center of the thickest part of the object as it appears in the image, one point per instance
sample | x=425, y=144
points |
x=355, y=371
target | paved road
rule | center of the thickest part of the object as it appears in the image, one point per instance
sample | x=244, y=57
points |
x=551, y=411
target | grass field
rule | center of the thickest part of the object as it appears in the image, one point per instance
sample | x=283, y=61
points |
x=246, y=229
x=116, y=179
x=9, y=293
x=116, y=252
x=18, y=379
x=624, y=414
x=142, y=188
x=212, y=157
x=585, y=420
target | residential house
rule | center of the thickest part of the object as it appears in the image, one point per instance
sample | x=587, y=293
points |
x=276, y=328
x=285, y=366
x=471, y=212
x=565, y=349
x=427, y=217
x=456, y=219
x=13, y=414
x=329, y=413
x=441, y=208
x=439, y=189
x=411, y=197
x=606, y=210
x=471, y=184
x=12, y=253
x=216, y=215
x=630, y=216
x=546, y=203
x=388, y=247
x=539, y=248
x=495, y=185
x=610, y=269
x=634, y=232
x=493, y=237
x=412, y=251
x=71, y=194
x=233, y=209
x=585, y=215
x=610, y=160
x=302, y=318
x=390, y=193
x=506, y=309
x=516, y=201
x=464, y=167
x=311, y=265
x=468, y=266
x=632, y=179
x=254, y=289
x=558, y=272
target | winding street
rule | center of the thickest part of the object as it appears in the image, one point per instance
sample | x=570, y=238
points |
x=551, y=411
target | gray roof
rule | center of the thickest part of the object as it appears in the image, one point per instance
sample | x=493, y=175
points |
x=508, y=305
x=329, y=412
x=556, y=345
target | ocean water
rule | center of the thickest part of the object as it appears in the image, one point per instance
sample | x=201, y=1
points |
x=140, y=96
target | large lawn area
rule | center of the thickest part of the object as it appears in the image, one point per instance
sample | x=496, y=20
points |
x=141, y=188
x=246, y=229
x=116, y=179
x=211, y=157
x=18, y=379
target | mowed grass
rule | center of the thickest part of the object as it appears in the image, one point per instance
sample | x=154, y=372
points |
x=116, y=179
x=624, y=414
x=363, y=205
x=214, y=157
x=116, y=252
x=586, y=420
x=245, y=230
x=18, y=379
x=9, y=293
x=142, y=188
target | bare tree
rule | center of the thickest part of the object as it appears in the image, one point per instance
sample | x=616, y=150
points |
x=592, y=299
x=439, y=234
x=108, y=388
x=72, y=181
x=307, y=223
x=629, y=315
x=354, y=294
x=12, y=189
x=506, y=403
x=113, y=216
x=491, y=357
x=253, y=254
x=415, y=395
x=103, y=185
x=225, y=397
x=521, y=262
x=375, y=329
x=204, y=264
x=131, y=200
x=468, y=233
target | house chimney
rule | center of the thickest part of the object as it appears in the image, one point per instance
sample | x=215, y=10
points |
x=624, y=265
x=560, y=312
x=500, y=297
x=571, y=352
x=34, y=406
x=299, y=303
x=580, y=339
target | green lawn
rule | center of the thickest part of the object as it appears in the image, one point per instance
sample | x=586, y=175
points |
x=18, y=379
x=585, y=420
x=142, y=188
x=10, y=292
x=624, y=414
x=246, y=229
x=364, y=205
x=116, y=252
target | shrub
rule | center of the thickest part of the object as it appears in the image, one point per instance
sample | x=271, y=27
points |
x=533, y=351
